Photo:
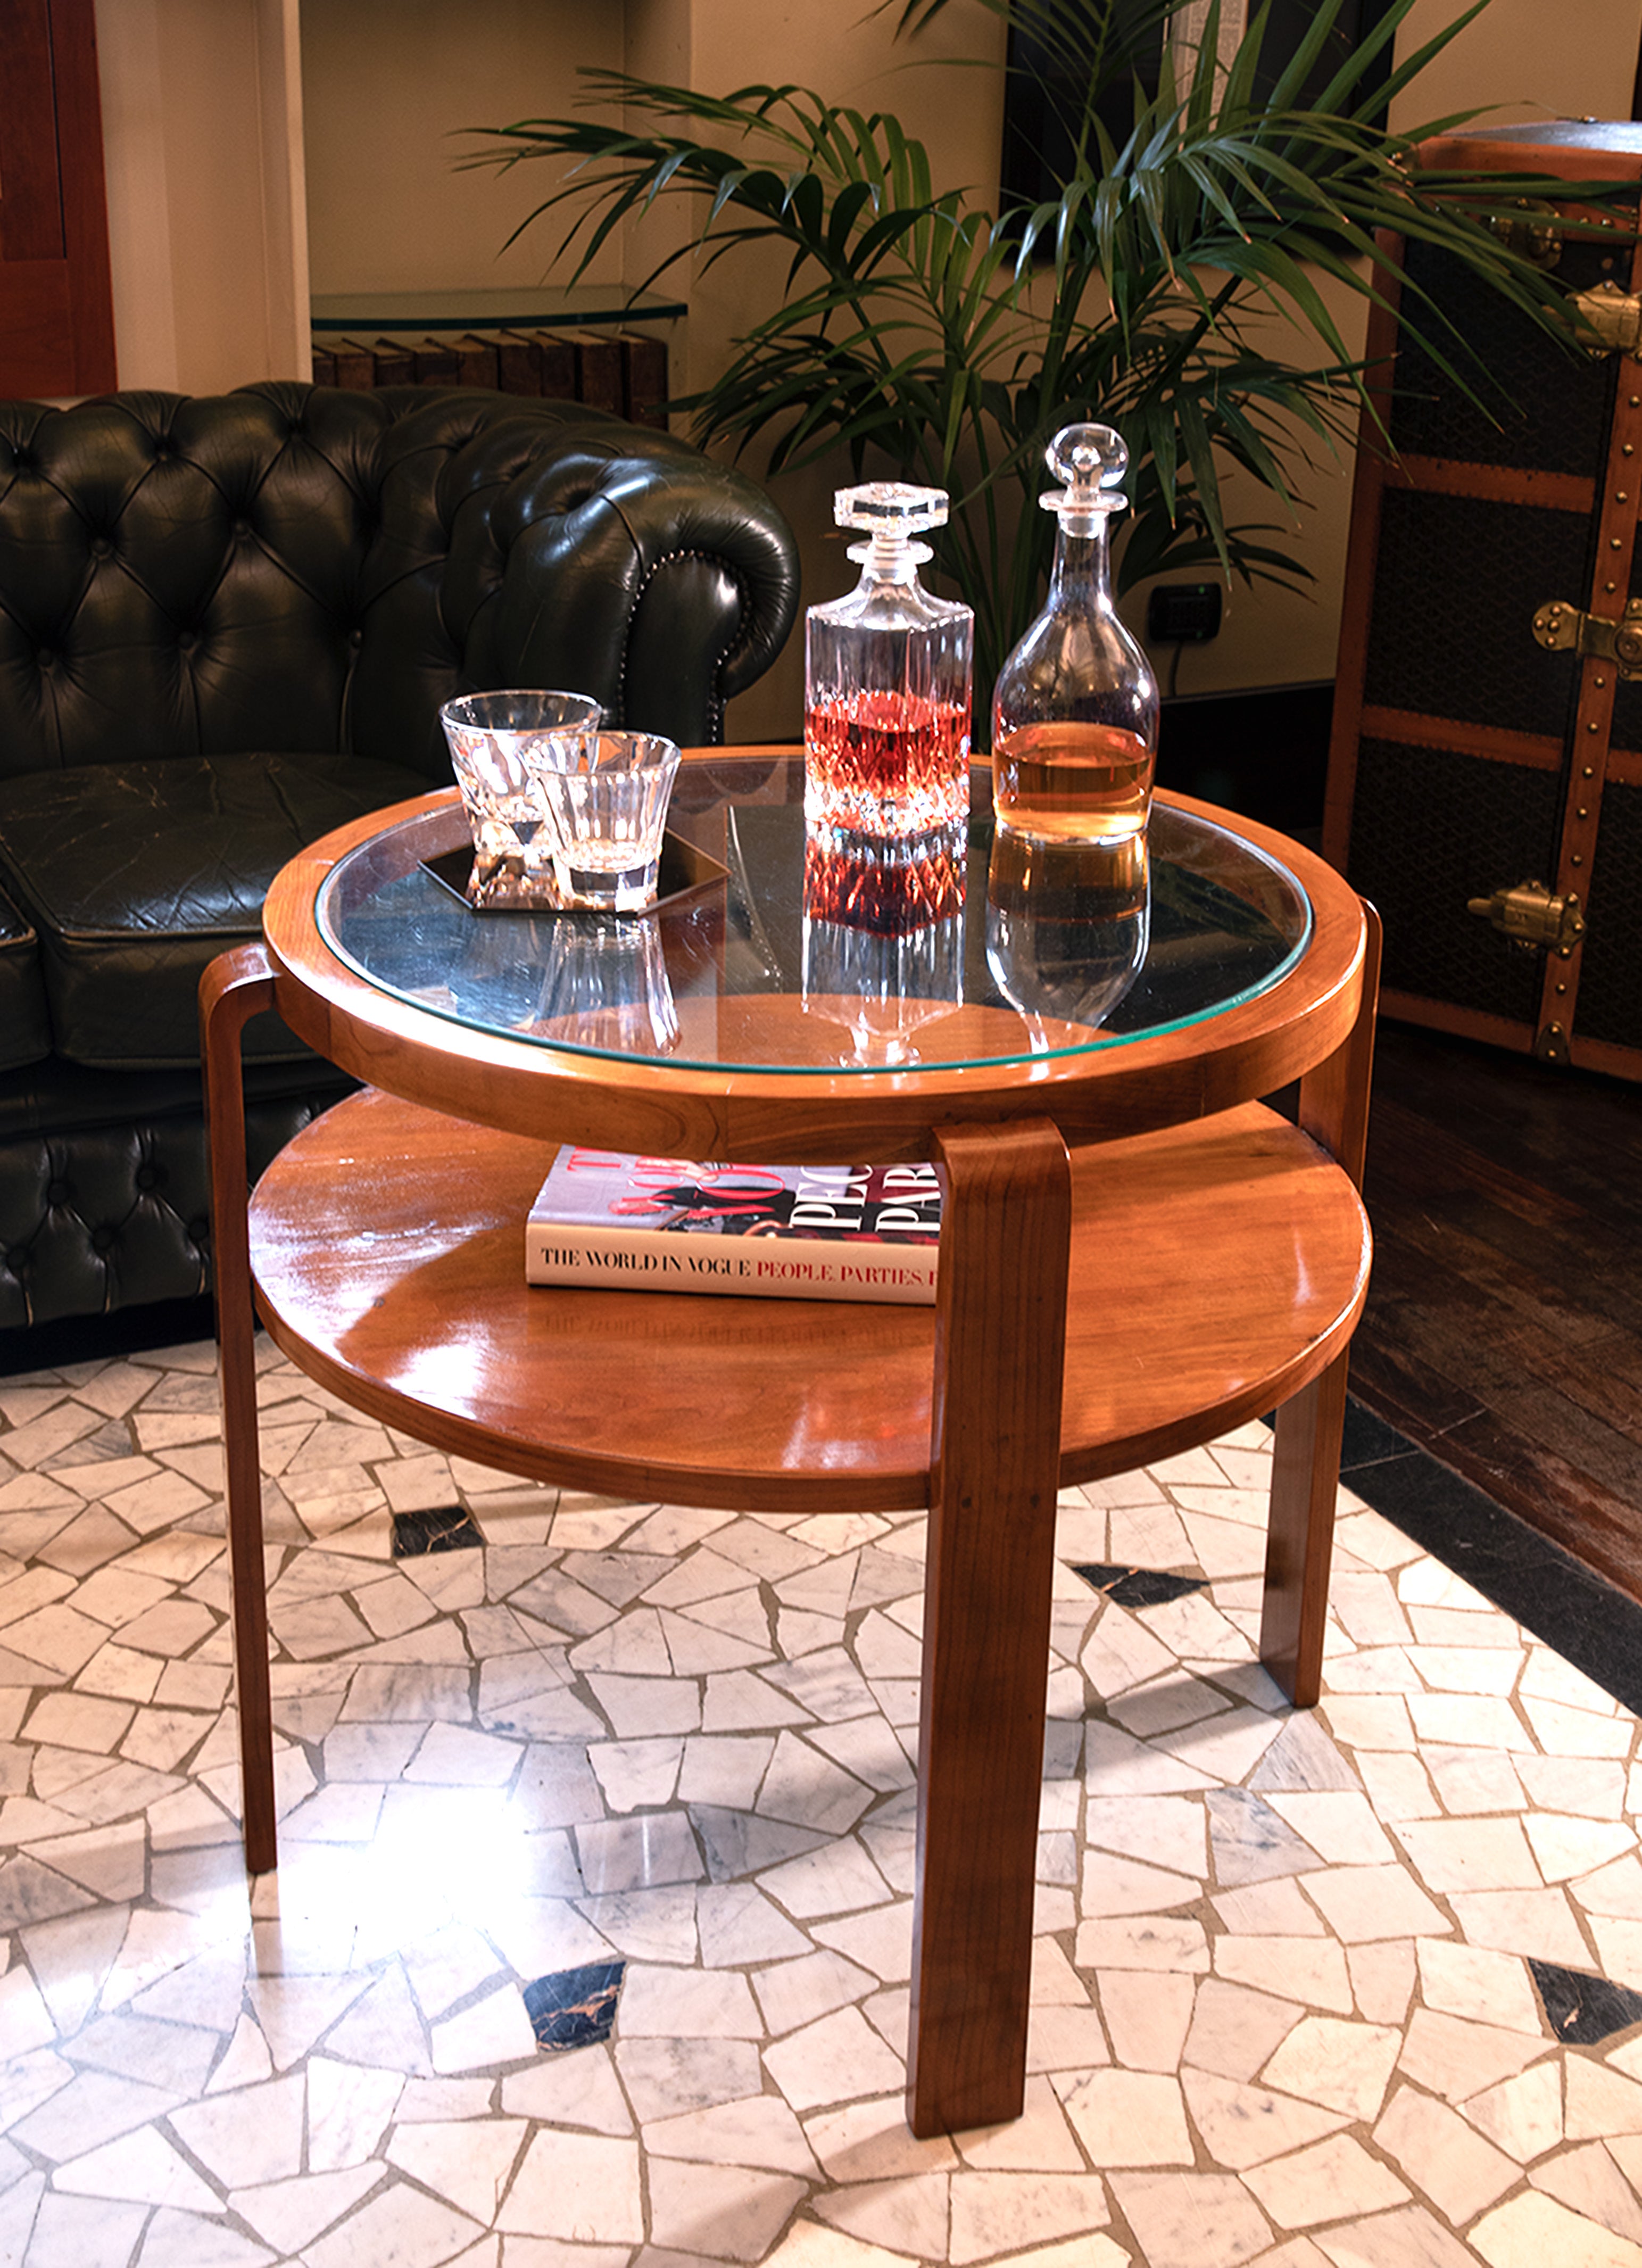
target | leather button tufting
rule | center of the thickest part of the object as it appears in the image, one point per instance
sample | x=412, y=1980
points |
x=186, y=643
x=45, y=658
x=104, y=1238
x=59, y=1193
x=18, y=1259
x=200, y=1229
x=102, y=547
x=148, y=1177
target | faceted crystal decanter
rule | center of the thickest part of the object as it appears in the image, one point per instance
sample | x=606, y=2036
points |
x=887, y=680
x=1075, y=707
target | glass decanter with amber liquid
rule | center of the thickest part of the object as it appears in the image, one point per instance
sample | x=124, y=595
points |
x=887, y=680
x=1075, y=707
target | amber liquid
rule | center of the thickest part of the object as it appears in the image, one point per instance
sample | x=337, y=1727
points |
x=886, y=763
x=1073, y=783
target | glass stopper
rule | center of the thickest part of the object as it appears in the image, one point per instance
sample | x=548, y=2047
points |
x=893, y=507
x=1092, y=459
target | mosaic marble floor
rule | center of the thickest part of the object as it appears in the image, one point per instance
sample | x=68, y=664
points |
x=1348, y=1990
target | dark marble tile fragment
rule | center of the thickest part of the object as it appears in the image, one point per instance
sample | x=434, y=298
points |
x=1583, y=2011
x=446, y=1527
x=574, y=2007
x=1138, y=1587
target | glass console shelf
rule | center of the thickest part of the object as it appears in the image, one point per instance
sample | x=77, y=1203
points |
x=532, y=307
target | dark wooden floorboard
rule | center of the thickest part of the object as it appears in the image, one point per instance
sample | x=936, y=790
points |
x=1503, y=1327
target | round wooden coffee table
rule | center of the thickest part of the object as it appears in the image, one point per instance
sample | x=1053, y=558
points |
x=1135, y=1253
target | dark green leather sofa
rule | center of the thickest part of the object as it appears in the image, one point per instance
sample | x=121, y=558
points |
x=227, y=627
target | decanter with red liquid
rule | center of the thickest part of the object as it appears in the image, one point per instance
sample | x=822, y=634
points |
x=887, y=680
x=1075, y=707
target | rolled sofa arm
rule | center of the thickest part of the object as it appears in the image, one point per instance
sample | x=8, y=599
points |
x=639, y=569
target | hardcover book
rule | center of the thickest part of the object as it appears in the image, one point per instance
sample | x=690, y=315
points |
x=781, y=1232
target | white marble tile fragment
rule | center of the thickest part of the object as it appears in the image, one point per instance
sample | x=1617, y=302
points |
x=1457, y=2058
x=399, y=2224
x=831, y=2061
x=1193, y=2219
x=1243, y=2125
x=1342, y=2067
x=1600, y=2101
x=1363, y=1904
x=1131, y=2118
x=1146, y=2017
x=469, y=2163
x=1446, y=2160
x=1589, y=2180
x=1491, y=1988
x=1522, y=2115
x=1382, y=1979
x=349, y=2107
x=141, y=2169
x=1531, y=2229
x=580, y=2090
x=247, y=2138
x=1328, y=2181
x=288, y=2214
x=1311, y=1970
x=1540, y=1924
x=584, y=2187
x=989, y=2209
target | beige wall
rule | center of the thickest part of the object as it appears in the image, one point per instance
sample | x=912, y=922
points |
x=202, y=145
x=389, y=86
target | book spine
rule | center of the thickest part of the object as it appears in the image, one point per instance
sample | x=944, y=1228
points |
x=754, y=1267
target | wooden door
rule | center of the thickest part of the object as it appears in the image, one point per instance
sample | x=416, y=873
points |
x=56, y=313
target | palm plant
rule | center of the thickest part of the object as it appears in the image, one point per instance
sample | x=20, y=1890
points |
x=944, y=341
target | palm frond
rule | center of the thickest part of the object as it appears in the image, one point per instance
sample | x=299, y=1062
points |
x=922, y=333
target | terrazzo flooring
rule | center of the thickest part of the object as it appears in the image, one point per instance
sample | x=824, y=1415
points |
x=1344, y=1990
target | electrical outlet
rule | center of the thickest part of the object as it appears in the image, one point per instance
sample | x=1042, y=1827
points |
x=1183, y=613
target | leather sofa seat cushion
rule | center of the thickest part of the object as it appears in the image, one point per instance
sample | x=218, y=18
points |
x=135, y=876
x=25, y=1024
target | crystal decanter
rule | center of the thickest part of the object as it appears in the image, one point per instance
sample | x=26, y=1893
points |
x=1075, y=707
x=887, y=680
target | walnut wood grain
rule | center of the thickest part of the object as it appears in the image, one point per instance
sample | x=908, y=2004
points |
x=389, y=1247
x=1306, y=1467
x=234, y=988
x=1000, y=1333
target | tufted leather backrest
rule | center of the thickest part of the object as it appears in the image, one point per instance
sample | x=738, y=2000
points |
x=312, y=570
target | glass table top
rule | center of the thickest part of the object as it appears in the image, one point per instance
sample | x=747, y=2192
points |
x=774, y=951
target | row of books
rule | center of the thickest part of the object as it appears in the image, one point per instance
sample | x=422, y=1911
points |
x=623, y=371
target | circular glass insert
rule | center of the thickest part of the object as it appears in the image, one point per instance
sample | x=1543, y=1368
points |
x=775, y=951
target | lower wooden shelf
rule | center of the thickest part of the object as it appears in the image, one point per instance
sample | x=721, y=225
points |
x=1216, y=1268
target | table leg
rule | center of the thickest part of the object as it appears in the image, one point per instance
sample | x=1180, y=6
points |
x=234, y=988
x=999, y=1366
x=1306, y=1468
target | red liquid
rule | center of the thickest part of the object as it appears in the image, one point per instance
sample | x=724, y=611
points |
x=891, y=897
x=886, y=763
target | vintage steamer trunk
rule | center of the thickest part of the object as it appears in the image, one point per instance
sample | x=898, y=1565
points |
x=1485, y=775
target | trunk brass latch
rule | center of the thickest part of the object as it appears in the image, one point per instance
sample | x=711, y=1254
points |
x=1530, y=916
x=1614, y=317
x=1565, y=629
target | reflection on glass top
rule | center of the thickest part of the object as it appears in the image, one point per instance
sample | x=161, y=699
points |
x=775, y=951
